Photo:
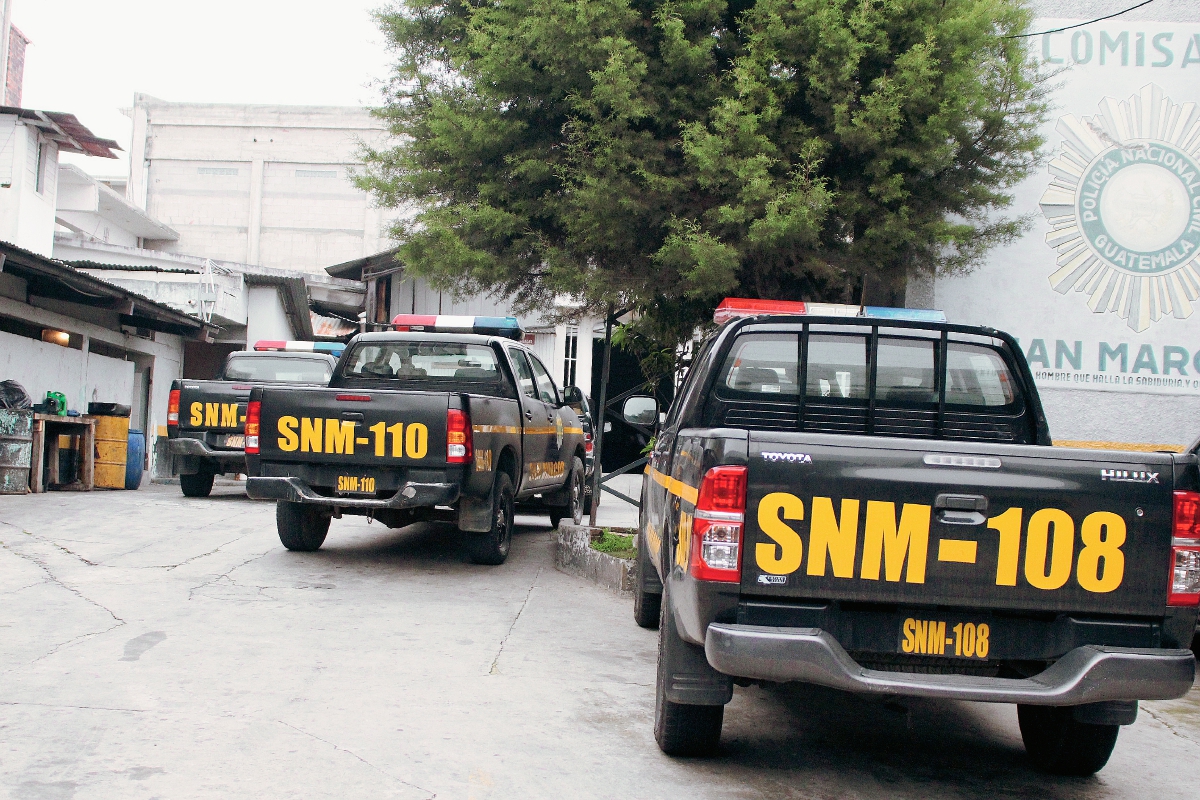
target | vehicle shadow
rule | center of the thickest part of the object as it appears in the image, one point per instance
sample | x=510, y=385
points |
x=353, y=542
x=882, y=746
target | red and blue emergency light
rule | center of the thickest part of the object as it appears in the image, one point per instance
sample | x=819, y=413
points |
x=445, y=323
x=738, y=307
x=332, y=348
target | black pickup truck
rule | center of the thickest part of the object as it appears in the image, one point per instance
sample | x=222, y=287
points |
x=206, y=419
x=419, y=425
x=872, y=503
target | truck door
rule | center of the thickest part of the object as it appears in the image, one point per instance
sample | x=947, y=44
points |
x=556, y=466
x=533, y=410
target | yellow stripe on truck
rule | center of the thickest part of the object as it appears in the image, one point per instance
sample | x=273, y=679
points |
x=675, y=487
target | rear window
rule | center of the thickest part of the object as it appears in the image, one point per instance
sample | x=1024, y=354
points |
x=839, y=369
x=977, y=376
x=423, y=360
x=278, y=370
x=763, y=364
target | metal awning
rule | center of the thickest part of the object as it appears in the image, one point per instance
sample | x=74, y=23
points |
x=66, y=129
x=49, y=278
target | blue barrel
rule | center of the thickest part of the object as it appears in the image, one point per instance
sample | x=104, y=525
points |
x=134, y=459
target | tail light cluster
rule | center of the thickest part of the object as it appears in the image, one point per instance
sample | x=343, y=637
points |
x=173, y=408
x=1185, y=551
x=588, y=443
x=718, y=526
x=459, y=449
x=253, y=417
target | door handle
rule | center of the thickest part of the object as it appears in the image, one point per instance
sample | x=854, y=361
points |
x=353, y=416
x=961, y=509
x=529, y=415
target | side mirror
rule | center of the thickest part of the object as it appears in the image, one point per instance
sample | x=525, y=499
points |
x=640, y=410
x=572, y=395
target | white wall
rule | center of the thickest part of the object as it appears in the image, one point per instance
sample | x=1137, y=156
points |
x=264, y=185
x=265, y=317
x=26, y=215
x=1139, y=101
x=82, y=377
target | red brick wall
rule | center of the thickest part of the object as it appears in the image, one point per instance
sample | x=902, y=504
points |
x=16, y=67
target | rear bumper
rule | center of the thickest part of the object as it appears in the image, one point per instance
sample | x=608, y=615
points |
x=1088, y=674
x=196, y=447
x=410, y=495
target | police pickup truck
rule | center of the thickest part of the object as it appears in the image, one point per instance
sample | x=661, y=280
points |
x=444, y=418
x=206, y=419
x=867, y=499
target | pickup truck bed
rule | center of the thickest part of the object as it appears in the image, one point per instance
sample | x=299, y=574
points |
x=874, y=506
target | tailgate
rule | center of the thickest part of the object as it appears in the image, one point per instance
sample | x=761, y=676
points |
x=954, y=524
x=213, y=406
x=364, y=428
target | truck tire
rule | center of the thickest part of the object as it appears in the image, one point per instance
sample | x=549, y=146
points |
x=574, y=509
x=1057, y=743
x=647, y=606
x=301, y=527
x=492, y=547
x=197, y=485
x=679, y=729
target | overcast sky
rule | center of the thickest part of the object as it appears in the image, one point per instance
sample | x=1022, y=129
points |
x=89, y=57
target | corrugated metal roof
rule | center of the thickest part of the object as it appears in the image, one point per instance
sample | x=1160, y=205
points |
x=71, y=134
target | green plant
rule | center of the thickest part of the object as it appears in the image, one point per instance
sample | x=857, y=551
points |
x=615, y=544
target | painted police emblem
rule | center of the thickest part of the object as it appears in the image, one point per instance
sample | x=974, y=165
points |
x=558, y=431
x=1124, y=208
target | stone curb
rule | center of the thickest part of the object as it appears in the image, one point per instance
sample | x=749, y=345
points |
x=574, y=555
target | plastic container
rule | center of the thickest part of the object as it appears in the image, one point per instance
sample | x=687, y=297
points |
x=135, y=457
x=112, y=451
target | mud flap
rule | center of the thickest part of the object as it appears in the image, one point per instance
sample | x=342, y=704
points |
x=689, y=677
x=647, y=575
x=475, y=513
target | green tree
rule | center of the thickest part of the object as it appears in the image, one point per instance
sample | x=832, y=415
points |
x=662, y=154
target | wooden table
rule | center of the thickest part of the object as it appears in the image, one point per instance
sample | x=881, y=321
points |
x=46, y=430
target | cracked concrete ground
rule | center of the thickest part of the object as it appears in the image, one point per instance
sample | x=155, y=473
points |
x=155, y=646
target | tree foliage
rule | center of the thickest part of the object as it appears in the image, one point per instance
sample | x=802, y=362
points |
x=662, y=154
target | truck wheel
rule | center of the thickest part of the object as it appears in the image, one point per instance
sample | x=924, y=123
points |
x=492, y=547
x=301, y=527
x=1058, y=744
x=646, y=605
x=682, y=730
x=574, y=497
x=198, y=485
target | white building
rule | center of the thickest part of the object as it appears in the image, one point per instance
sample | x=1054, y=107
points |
x=256, y=184
x=1102, y=290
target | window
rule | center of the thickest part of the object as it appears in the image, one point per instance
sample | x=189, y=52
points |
x=546, y=389
x=977, y=376
x=524, y=373
x=570, y=366
x=763, y=365
x=216, y=171
x=421, y=360
x=39, y=184
x=285, y=370
x=837, y=366
x=905, y=372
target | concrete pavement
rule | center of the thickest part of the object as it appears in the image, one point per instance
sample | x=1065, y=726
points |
x=156, y=646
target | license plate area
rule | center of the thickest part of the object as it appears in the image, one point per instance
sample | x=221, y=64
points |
x=355, y=485
x=237, y=440
x=950, y=637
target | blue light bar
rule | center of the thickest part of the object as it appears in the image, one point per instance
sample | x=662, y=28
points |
x=909, y=314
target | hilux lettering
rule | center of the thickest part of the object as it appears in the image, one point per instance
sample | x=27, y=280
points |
x=898, y=547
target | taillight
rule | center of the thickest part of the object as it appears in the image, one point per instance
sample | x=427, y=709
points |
x=1185, y=551
x=718, y=525
x=173, y=408
x=458, y=437
x=253, y=413
x=588, y=444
